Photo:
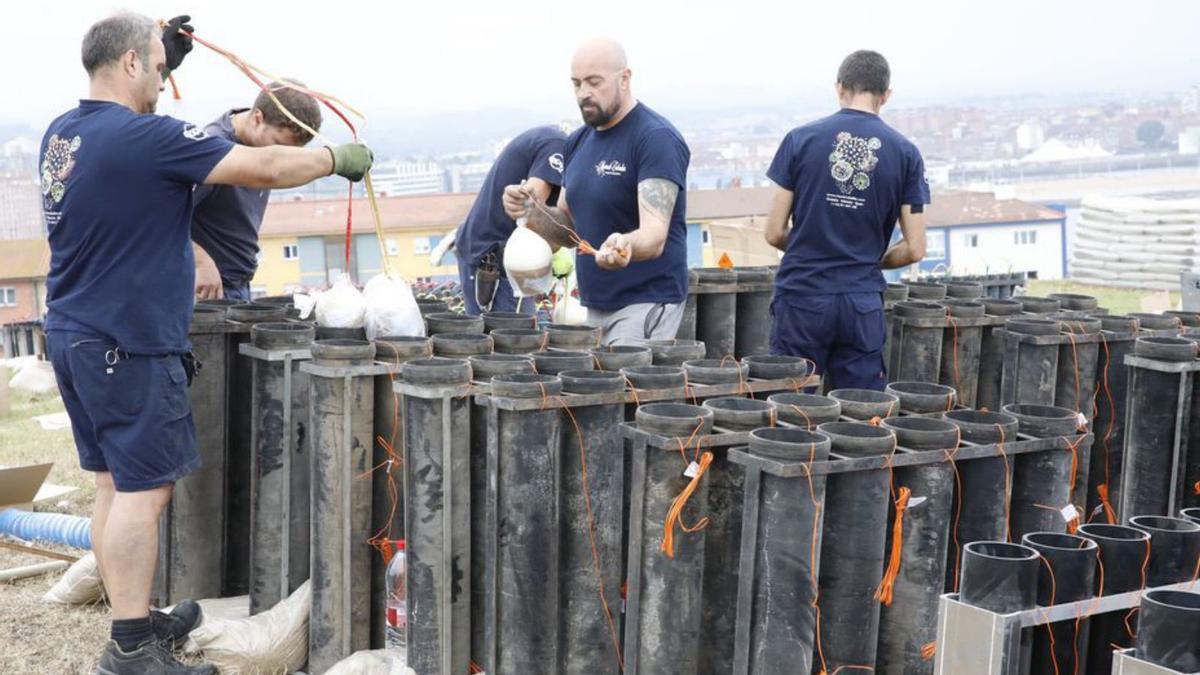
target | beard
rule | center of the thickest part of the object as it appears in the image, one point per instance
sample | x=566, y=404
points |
x=596, y=116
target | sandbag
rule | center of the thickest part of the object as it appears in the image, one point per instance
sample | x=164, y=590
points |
x=36, y=378
x=274, y=642
x=373, y=662
x=391, y=308
x=80, y=584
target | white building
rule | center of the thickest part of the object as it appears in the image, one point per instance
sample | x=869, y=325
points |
x=976, y=233
x=1030, y=135
x=408, y=178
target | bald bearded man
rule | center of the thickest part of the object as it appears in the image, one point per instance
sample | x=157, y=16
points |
x=626, y=174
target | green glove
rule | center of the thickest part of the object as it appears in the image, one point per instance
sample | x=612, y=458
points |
x=351, y=160
x=563, y=262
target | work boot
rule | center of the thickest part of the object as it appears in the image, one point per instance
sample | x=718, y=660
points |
x=174, y=627
x=150, y=658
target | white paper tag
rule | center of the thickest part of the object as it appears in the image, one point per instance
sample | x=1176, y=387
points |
x=691, y=470
x=1069, y=512
x=916, y=501
x=1081, y=420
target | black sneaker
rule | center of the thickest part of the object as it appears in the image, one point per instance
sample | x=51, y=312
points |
x=150, y=658
x=174, y=627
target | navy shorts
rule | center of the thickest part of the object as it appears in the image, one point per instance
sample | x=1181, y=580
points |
x=130, y=414
x=843, y=334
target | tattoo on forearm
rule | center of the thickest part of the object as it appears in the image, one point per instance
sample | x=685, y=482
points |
x=553, y=224
x=658, y=195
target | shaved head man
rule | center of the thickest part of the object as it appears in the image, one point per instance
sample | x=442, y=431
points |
x=626, y=172
x=601, y=64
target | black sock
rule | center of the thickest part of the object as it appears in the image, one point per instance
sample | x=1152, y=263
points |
x=129, y=633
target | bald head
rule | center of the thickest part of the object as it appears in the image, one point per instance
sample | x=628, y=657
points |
x=600, y=73
x=600, y=54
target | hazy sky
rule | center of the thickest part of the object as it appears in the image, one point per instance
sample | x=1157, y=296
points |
x=408, y=57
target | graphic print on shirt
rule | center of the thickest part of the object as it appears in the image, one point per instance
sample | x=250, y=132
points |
x=851, y=163
x=57, y=164
x=610, y=167
x=556, y=162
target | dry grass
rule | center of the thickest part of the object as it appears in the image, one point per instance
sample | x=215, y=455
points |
x=1116, y=300
x=38, y=637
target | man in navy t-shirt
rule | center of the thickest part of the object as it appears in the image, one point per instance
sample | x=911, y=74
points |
x=535, y=157
x=626, y=174
x=226, y=218
x=117, y=186
x=843, y=181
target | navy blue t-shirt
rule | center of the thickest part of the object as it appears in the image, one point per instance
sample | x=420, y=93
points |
x=226, y=218
x=117, y=197
x=601, y=179
x=849, y=173
x=536, y=153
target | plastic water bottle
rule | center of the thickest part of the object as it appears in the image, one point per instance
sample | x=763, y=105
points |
x=397, y=600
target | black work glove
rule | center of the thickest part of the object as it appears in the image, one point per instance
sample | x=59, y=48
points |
x=177, y=44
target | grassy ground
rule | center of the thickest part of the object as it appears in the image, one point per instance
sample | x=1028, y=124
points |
x=38, y=637
x=1116, y=300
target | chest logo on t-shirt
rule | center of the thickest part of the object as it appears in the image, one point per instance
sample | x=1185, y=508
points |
x=610, y=167
x=57, y=164
x=852, y=161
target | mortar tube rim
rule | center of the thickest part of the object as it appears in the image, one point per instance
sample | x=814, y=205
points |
x=977, y=548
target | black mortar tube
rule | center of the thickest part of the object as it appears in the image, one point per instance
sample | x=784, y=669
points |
x=280, y=475
x=585, y=640
x=483, y=369
x=723, y=536
x=192, y=528
x=665, y=600
x=1174, y=549
x=1067, y=574
x=983, y=486
x=341, y=414
x=1168, y=633
x=778, y=621
x=961, y=346
x=910, y=621
x=521, y=558
x=1112, y=385
x=687, y=325
x=753, y=309
x=437, y=425
x=852, y=547
x=916, y=351
x=991, y=353
x=1152, y=423
x=1124, y=551
x=716, y=313
x=387, y=494
x=1032, y=376
x=1041, y=480
x=999, y=577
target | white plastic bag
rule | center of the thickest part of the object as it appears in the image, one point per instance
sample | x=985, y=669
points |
x=80, y=584
x=342, y=306
x=391, y=308
x=36, y=377
x=373, y=662
x=270, y=643
x=527, y=263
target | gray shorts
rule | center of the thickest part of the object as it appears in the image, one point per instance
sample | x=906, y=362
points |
x=635, y=324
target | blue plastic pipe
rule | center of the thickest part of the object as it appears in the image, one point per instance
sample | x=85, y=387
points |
x=57, y=528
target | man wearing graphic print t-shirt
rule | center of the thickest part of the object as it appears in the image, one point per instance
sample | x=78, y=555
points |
x=843, y=182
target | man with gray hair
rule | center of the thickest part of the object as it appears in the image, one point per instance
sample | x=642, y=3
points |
x=117, y=194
